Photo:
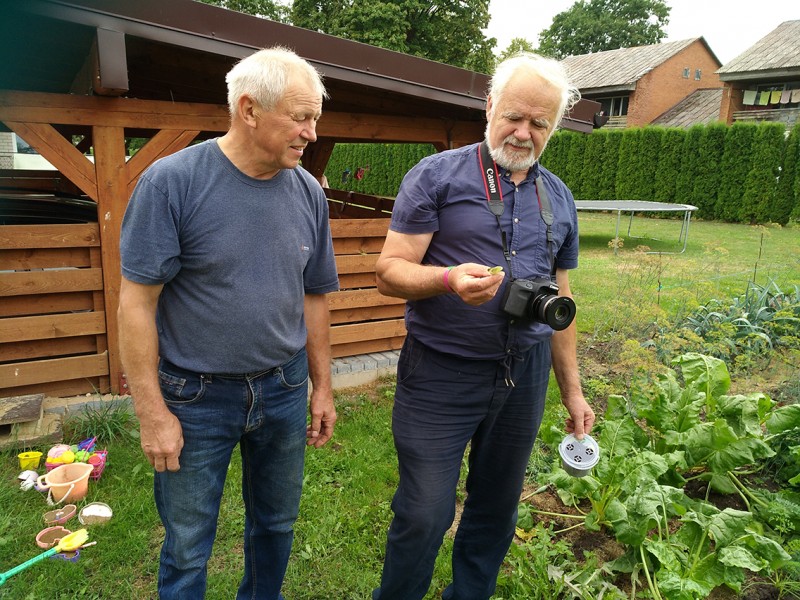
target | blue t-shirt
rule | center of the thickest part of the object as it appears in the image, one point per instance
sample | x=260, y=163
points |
x=444, y=194
x=235, y=254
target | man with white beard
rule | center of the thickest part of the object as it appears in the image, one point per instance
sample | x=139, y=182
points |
x=480, y=244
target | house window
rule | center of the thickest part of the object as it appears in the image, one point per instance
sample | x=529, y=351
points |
x=697, y=74
x=616, y=106
x=686, y=72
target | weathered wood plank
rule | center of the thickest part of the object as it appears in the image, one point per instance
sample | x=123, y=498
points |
x=356, y=280
x=347, y=299
x=49, y=236
x=61, y=388
x=343, y=334
x=38, y=349
x=367, y=346
x=42, y=304
x=367, y=245
x=356, y=263
x=49, y=282
x=55, y=369
x=351, y=228
x=44, y=258
x=20, y=329
x=367, y=313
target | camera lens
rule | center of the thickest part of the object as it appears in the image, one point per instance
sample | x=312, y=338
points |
x=556, y=311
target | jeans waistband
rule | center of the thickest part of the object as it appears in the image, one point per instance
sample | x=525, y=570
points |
x=210, y=376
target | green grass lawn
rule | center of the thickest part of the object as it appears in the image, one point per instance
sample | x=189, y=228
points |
x=345, y=510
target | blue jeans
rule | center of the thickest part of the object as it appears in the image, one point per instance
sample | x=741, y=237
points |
x=266, y=414
x=443, y=403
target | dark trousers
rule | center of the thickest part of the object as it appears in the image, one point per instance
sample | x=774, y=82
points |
x=442, y=404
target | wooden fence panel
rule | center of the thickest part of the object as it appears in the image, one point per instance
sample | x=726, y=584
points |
x=362, y=320
x=53, y=337
x=53, y=320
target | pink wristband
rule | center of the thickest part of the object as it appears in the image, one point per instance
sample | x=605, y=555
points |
x=446, y=280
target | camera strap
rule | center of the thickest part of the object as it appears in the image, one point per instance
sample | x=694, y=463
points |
x=494, y=195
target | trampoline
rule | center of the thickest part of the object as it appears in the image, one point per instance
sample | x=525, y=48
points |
x=641, y=206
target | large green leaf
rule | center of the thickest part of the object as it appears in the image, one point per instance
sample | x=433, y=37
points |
x=784, y=418
x=709, y=374
x=743, y=413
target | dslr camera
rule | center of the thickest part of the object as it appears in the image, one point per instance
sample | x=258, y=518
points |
x=538, y=300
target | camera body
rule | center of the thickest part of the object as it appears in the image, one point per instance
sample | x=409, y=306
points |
x=538, y=300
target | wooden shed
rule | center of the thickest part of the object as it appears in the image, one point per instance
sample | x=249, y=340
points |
x=80, y=77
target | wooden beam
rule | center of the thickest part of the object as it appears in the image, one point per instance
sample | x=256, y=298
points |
x=59, y=152
x=64, y=109
x=317, y=155
x=112, y=188
x=164, y=143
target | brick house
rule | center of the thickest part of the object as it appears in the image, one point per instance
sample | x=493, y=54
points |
x=763, y=82
x=636, y=85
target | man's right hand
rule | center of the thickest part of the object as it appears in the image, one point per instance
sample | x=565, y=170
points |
x=162, y=441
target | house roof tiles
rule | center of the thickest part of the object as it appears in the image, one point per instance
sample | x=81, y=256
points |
x=778, y=50
x=620, y=68
x=699, y=107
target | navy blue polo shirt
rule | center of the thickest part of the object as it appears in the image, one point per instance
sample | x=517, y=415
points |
x=444, y=194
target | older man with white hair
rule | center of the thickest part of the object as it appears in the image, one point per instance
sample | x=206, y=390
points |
x=226, y=260
x=480, y=244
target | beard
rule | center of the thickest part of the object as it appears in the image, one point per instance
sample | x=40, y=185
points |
x=512, y=160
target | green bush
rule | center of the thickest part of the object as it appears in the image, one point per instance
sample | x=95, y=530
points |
x=761, y=185
x=709, y=157
x=374, y=169
x=735, y=165
x=628, y=165
x=608, y=178
x=788, y=202
x=669, y=164
x=575, y=159
x=647, y=161
x=554, y=157
x=594, y=162
x=684, y=186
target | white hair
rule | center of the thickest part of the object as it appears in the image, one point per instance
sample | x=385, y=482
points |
x=548, y=69
x=264, y=75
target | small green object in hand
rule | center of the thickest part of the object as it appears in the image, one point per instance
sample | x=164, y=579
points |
x=495, y=270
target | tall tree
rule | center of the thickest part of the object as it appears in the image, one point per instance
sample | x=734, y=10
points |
x=441, y=30
x=516, y=46
x=596, y=25
x=276, y=10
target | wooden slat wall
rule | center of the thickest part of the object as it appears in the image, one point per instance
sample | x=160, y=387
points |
x=52, y=316
x=362, y=320
x=53, y=324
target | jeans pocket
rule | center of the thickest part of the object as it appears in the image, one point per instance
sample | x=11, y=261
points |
x=410, y=358
x=294, y=373
x=180, y=388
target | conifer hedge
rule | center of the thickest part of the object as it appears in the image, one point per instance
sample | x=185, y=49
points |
x=761, y=184
x=747, y=172
x=669, y=164
x=788, y=204
x=735, y=165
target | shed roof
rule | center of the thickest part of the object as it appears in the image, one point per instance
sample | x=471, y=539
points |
x=699, y=107
x=180, y=50
x=621, y=69
x=776, y=54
